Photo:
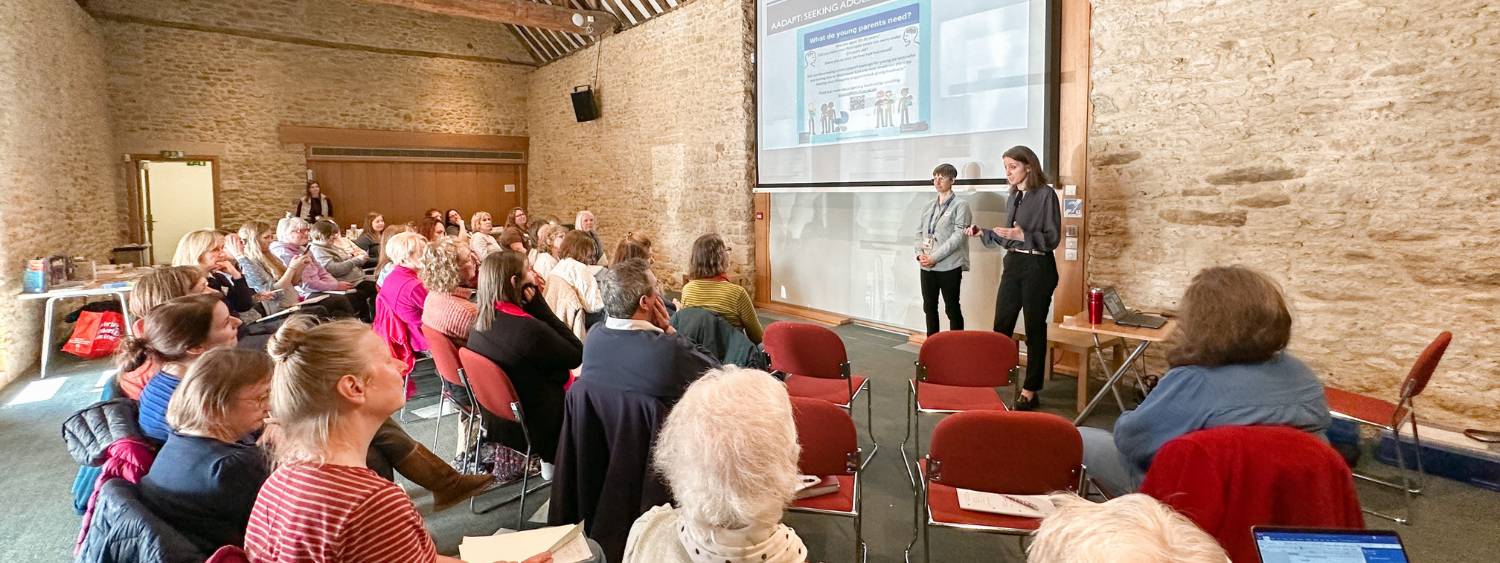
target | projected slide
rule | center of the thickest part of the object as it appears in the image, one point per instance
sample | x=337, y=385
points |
x=878, y=91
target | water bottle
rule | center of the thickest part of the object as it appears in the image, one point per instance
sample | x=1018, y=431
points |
x=1096, y=306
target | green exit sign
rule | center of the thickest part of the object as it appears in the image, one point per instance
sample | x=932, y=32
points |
x=197, y=163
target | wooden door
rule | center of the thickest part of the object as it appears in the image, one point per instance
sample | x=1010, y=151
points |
x=402, y=191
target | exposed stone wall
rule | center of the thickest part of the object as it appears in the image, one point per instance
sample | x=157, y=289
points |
x=57, y=188
x=1350, y=150
x=673, y=153
x=226, y=94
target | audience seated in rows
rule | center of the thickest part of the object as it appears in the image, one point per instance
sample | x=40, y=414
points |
x=635, y=368
x=1129, y=529
x=264, y=272
x=176, y=334
x=159, y=286
x=205, y=479
x=480, y=240
x=345, y=262
x=518, y=332
x=370, y=237
x=383, y=266
x=204, y=248
x=549, y=249
x=398, y=310
x=712, y=290
x=446, y=268
x=291, y=242
x=1229, y=367
x=572, y=286
x=729, y=454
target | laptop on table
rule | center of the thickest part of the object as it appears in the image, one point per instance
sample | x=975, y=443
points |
x=1123, y=316
x=1290, y=545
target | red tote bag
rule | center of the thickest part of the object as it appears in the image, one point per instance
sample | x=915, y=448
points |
x=96, y=335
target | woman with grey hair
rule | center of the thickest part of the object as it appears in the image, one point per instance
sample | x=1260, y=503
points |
x=729, y=453
x=1133, y=527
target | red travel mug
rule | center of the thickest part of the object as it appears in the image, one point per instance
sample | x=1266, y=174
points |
x=1096, y=306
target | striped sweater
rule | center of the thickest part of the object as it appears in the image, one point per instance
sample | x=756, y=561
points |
x=726, y=300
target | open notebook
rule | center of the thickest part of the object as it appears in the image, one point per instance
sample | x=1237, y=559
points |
x=1026, y=506
x=565, y=543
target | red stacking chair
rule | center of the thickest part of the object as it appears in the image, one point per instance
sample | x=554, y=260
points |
x=817, y=367
x=1230, y=478
x=445, y=360
x=492, y=390
x=1388, y=416
x=229, y=554
x=830, y=448
x=1022, y=453
x=957, y=371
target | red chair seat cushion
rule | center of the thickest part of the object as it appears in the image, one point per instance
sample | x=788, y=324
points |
x=835, y=391
x=1362, y=407
x=931, y=396
x=943, y=501
x=841, y=501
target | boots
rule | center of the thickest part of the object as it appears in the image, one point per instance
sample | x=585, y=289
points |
x=449, y=487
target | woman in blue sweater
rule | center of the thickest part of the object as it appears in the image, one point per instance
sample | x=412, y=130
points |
x=1229, y=367
x=176, y=334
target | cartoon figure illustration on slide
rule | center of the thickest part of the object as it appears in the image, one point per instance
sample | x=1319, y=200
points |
x=909, y=36
x=906, y=102
x=812, y=115
x=812, y=59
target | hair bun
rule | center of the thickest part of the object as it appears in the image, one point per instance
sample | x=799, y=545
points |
x=289, y=338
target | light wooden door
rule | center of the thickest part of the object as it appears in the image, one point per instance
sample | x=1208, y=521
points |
x=402, y=191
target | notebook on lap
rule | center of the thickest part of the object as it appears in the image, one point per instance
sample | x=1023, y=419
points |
x=1288, y=545
x=1124, y=316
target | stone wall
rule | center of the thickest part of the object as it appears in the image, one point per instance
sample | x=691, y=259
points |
x=219, y=77
x=57, y=176
x=1349, y=150
x=673, y=153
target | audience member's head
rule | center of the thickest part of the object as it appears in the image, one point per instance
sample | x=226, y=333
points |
x=579, y=246
x=710, y=257
x=164, y=284
x=453, y=218
x=517, y=218
x=584, y=221
x=628, y=250
x=203, y=248
x=628, y=288
x=324, y=231
x=405, y=250
x=434, y=213
x=503, y=278
x=374, y=224
x=729, y=450
x=1126, y=529
x=481, y=222
x=945, y=170
x=385, y=238
x=511, y=239
x=1230, y=315
x=179, y=331
x=292, y=231
x=225, y=395
x=334, y=382
x=639, y=238
x=549, y=238
x=446, y=265
x=431, y=228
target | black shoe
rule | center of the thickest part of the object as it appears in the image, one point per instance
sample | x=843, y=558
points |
x=1024, y=404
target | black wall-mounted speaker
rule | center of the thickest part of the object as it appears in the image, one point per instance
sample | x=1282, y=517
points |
x=585, y=107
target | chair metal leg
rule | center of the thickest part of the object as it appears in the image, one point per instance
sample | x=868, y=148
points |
x=916, y=517
x=437, y=427
x=869, y=423
x=911, y=409
x=525, y=480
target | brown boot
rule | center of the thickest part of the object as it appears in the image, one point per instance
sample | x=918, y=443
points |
x=448, y=486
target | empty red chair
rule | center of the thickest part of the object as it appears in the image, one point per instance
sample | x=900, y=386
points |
x=1388, y=416
x=1022, y=453
x=1230, y=478
x=817, y=367
x=445, y=361
x=830, y=448
x=957, y=371
x=492, y=390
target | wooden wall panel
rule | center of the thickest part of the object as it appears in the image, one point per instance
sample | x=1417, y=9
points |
x=402, y=191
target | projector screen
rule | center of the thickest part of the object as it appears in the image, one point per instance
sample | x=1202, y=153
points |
x=878, y=92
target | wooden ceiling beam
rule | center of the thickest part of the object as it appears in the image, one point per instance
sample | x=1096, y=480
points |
x=518, y=12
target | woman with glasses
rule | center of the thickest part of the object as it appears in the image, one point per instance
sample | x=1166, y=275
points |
x=711, y=289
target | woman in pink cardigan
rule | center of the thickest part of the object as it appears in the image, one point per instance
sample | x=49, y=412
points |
x=398, y=305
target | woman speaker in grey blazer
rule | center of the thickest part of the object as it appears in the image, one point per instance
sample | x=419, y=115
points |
x=943, y=249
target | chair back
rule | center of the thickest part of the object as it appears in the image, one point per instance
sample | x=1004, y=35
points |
x=1421, y=372
x=1026, y=453
x=490, y=386
x=968, y=358
x=806, y=349
x=229, y=554
x=828, y=439
x=444, y=355
x=1230, y=478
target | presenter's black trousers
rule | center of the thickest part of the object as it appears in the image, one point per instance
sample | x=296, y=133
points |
x=946, y=283
x=1026, y=284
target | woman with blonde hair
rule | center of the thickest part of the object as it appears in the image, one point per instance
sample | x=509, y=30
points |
x=548, y=249
x=572, y=286
x=334, y=387
x=264, y=272
x=728, y=451
x=398, y=311
x=205, y=479
x=384, y=265
x=1229, y=367
x=480, y=239
x=215, y=254
x=448, y=266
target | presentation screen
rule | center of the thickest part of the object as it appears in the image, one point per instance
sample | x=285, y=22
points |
x=878, y=92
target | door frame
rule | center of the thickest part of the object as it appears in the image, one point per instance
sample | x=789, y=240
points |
x=136, y=217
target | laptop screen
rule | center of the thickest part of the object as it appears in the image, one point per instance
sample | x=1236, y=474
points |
x=1115, y=305
x=1328, y=546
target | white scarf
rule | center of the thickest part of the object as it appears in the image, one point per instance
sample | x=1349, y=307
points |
x=754, y=544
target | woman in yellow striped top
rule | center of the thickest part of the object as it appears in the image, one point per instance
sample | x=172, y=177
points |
x=711, y=290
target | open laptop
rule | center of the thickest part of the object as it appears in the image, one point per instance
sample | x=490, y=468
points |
x=1124, y=316
x=1287, y=545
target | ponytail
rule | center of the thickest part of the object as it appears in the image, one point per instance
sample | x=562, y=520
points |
x=171, y=329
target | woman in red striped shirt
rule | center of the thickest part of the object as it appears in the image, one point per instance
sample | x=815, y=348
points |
x=333, y=387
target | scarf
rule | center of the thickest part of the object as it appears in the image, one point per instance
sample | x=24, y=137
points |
x=511, y=309
x=754, y=544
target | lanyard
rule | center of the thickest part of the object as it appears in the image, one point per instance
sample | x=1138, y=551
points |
x=938, y=213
